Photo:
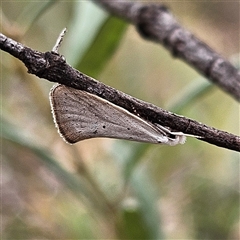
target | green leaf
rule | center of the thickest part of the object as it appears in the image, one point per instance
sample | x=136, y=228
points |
x=133, y=226
x=191, y=94
x=103, y=47
x=87, y=19
x=147, y=198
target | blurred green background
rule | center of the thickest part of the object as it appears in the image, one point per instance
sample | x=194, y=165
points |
x=106, y=188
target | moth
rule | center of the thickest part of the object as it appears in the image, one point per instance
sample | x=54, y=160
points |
x=79, y=115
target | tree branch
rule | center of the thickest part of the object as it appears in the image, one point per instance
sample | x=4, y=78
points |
x=156, y=23
x=54, y=68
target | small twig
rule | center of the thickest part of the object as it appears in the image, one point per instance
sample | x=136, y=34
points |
x=156, y=23
x=59, y=41
x=54, y=68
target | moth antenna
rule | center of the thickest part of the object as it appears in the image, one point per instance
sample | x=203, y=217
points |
x=177, y=133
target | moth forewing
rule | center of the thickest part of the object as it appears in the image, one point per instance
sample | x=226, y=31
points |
x=80, y=115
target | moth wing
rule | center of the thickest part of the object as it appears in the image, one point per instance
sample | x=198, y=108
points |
x=80, y=115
